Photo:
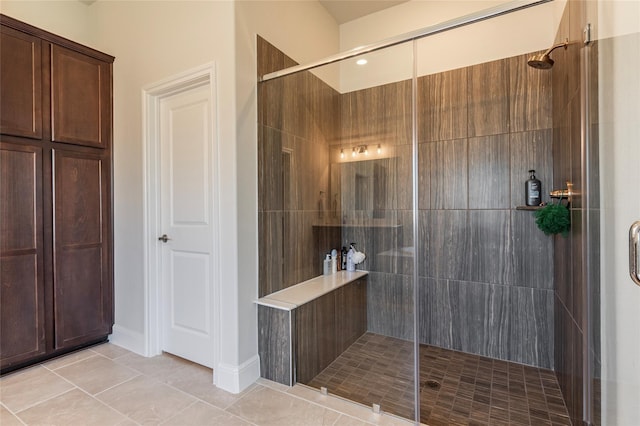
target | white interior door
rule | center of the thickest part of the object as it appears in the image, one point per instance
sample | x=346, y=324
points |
x=186, y=218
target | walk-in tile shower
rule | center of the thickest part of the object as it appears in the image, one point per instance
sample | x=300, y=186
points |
x=420, y=159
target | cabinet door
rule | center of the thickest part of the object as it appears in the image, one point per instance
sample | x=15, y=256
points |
x=82, y=278
x=20, y=84
x=80, y=98
x=22, y=322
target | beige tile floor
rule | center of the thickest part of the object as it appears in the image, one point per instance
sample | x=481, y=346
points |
x=107, y=385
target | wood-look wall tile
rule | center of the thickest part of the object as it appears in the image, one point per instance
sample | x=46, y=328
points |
x=269, y=58
x=531, y=151
x=532, y=252
x=449, y=245
x=274, y=345
x=561, y=150
x=562, y=273
x=404, y=178
x=488, y=98
x=442, y=106
x=578, y=280
x=489, y=172
x=270, y=252
x=351, y=313
x=575, y=148
x=307, y=362
x=424, y=177
x=390, y=305
x=490, y=239
x=299, y=265
x=449, y=173
x=325, y=329
x=271, y=190
x=436, y=309
x=530, y=96
x=531, y=326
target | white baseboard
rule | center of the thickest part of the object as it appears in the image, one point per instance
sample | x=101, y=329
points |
x=128, y=339
x=236, y=378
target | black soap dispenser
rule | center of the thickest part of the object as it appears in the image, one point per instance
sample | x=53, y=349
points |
x=533, y=190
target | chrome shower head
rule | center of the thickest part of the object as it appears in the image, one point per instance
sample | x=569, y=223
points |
x=543, y=61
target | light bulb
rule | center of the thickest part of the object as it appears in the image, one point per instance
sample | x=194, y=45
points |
x=341, y=153
x=361, y=61
x=379, y=149
x=353, y=152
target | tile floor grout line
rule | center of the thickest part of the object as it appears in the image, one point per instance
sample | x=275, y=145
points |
x=118, y=384
x=94, y=396
x=43, y=364
x=12, y=413
x=44, y=400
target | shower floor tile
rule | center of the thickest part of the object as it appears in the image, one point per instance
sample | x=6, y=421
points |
x=455, y=388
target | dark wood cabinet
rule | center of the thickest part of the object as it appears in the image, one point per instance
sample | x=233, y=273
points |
x=80, y=98
x=20, y=83
x=22, y=314
x=56, y=254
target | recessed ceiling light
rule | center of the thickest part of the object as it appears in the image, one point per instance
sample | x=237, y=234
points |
x=361, y=61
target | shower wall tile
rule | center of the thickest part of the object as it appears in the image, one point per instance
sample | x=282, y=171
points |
x=575, y=148
x=381, y=113
x=449, y=173
x=424, y=176
x=269, y=58
x=274, y=345
x=578, y=280
x=568, y=361
x=532, y=252
x=498, y=321
x=270, y=195
x=270, y=252
x=531, y=150
x=530, y=97
x=442, y=106
x=390, y=305
x=436, y=313
x=490, y=238
x=489, y=180
x=404, y=178
x=488, y=98
x=531, y=326
x=449, y=245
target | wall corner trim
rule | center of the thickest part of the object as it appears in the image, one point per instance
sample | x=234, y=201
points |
x=131, y=340
x=236, y=378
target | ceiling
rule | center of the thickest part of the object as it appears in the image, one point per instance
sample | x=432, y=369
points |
x=348, y=10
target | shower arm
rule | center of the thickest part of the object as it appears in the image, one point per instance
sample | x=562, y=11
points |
x=564, y=44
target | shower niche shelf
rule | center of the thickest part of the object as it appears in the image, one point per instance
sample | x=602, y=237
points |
x=530, y=208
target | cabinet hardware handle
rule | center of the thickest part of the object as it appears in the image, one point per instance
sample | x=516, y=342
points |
x=634, y=243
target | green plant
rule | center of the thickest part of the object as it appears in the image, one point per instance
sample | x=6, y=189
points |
x=554, y=219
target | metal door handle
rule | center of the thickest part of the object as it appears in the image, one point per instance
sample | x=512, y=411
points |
x=164, y=238
x=634, y=243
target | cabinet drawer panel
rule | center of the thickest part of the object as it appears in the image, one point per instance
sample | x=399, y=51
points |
x=80, y=98
x=80, y=308
x=22, y=333
x=78, y=197
x=20, y=186
x=20, y=84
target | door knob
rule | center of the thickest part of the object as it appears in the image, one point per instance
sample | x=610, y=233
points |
x=164, y=238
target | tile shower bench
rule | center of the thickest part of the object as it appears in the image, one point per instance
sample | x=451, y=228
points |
x=304, y=328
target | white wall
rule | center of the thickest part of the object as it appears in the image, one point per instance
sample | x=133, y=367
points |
x=619, y=108
x=505, y=36
x=69, y=19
